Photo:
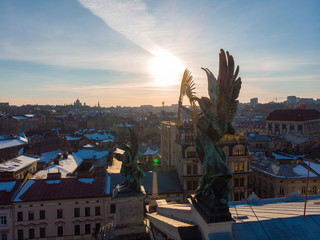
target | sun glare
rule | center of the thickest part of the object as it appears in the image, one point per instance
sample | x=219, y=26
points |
x=166, y=68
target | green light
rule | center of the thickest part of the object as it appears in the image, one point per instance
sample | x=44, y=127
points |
x=155, y=160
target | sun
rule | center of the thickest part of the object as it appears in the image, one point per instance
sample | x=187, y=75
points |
x=166, y=68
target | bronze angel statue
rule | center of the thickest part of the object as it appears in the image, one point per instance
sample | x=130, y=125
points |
x=211, y=124
x=129, y=167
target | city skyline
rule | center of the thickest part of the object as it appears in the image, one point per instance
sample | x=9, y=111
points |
x=133, y=53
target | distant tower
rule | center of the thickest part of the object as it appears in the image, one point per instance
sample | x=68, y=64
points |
x=163, y=106
x=98, y=104
x=77, y=103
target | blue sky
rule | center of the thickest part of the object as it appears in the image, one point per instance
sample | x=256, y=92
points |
x=53, y=52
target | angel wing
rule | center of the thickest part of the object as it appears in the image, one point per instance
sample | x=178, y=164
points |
x=134, y=142
x=224, y=91
x=187, y=89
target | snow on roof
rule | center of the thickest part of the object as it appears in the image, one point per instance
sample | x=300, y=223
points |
x=88, y=146
x=70, y=138
x=314, y=166
x=19, y=117
x=119, y=151
x=302, y=171
x=86, y=180
x=294, y=139
x=99, y=136
x=23, y=190
x=48, y=156
x=116, y=166
x=7, y=186
x=65, y=166
x=280, y=156
x=150, y=152
x=91, y=154
x=53, y=181
x=11, y=143
x=17, y=163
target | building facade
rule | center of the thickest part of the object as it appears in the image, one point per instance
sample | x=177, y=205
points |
x=296, y=121
x=179, y=153
x=278, y=178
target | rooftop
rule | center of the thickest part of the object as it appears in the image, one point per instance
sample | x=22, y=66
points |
x=66, y=166
x=64, y=188
x=7, y=190
x=17, y=163
x=294, y=115
x=286, y=170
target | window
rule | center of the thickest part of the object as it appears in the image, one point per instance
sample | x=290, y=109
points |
x=98, y=226
x=236, y=196
x=42, y=232
x=112, y=208
x=241, y=167
x=20, y=216
x=4, y=236
x=195, y=169
x=3, y=220
x=20, y=234
x=314, y=190
x=281, y=191
x=191, y=154
x=42, y=214
x=87, y=229
x=195, y=184
x=30, y=215
x=31, y=233
x=241, y=182
x=60, y=231
x=97, y=211
x=188, y=169
x=87, y=211
x=236, y=167
x=76, y=212
x=238, y=150
x=59, y=213
x=189, y=185
x=76, y=229
x=303, y=190
x=241, y=195
x=236, y=182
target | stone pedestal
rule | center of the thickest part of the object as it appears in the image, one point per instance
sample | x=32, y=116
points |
x=213, y=222
x=129, y=215
x=211, y=212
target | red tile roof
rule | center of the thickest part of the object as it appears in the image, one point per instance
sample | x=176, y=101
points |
x=8, y=187
x=299, y=115
x=64, y=188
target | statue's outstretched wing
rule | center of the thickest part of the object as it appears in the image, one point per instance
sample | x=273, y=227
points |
x=225, y=90
x=134, y=142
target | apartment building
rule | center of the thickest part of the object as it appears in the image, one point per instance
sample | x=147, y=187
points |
x=179, y=153
x=61, y=208
x=8, y=188
x=283, y=175
x=296, y=121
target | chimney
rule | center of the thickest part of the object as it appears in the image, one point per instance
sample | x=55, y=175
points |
x=54, y=176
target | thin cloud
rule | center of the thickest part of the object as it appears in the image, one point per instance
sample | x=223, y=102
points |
x=129, y=18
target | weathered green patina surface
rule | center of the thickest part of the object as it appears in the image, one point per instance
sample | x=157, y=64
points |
x=214, y=121
x=129, y=168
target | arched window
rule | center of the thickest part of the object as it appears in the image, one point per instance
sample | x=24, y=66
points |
x=239, y=150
